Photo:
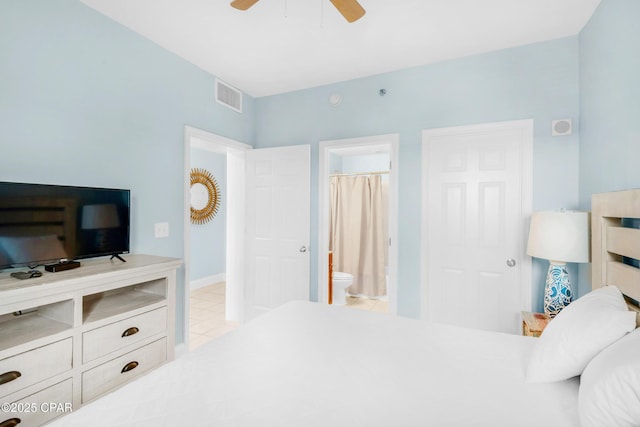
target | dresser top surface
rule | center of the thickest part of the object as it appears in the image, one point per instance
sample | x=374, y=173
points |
x=88, y=267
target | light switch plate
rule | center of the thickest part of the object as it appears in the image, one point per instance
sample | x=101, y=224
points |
x=162, y=229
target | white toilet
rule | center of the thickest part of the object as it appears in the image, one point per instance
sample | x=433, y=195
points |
x=341, y=281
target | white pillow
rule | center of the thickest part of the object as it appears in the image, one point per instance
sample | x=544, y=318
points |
x=610, y=386
x=579, y=332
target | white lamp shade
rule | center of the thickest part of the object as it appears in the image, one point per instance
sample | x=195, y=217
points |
x=559, y=236
x=100, y=216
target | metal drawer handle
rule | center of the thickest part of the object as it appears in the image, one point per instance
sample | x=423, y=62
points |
x=131, y=331
x=11, y=422
x=7, y=377
x=128, y=367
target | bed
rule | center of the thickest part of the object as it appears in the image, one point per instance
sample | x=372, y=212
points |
x=308, y=364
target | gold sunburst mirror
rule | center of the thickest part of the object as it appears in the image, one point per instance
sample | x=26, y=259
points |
x=205, y=196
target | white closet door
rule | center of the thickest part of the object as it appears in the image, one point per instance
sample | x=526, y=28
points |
x=477, y=189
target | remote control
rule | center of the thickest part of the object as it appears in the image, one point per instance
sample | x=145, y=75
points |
x=26, y=274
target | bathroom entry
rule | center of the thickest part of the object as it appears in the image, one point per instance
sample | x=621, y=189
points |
x=358, y=221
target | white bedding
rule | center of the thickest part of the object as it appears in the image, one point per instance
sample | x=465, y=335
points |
x=306, y=364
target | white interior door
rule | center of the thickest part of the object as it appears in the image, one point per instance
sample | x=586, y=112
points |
x=477, y=197
x=278, y=227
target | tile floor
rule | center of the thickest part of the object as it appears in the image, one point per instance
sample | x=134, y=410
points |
x=368, y=304
x=206, y=314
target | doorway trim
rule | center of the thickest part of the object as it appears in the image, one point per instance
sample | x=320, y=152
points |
x=235, y=153
x=324, y=148
x=526, y=189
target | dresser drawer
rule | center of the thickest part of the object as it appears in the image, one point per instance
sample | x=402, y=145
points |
x=40, y=407
x=107, y=339
x=25, y=369
x=123, y=369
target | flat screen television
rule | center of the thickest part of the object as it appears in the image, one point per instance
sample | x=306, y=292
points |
x=42, y=224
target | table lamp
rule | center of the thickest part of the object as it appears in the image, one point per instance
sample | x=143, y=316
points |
x=560, y=237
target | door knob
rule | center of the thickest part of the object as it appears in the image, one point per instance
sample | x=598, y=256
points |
x=511, y=262
x=303, y=249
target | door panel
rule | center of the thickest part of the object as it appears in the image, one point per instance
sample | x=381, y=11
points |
x=474, y=221
x=278, y=225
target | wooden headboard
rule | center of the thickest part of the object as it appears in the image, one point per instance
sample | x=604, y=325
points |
x=615, y=247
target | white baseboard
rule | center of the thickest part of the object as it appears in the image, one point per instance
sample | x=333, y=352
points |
x=208, y=280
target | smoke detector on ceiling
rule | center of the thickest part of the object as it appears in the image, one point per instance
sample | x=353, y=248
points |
x=335, y=99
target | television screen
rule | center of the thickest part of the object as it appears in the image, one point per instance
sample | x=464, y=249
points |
x=41, y=224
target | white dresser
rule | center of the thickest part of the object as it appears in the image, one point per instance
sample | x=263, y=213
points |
x=71, y=336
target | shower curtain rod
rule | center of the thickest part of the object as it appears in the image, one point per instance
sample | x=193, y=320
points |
x=360, y=173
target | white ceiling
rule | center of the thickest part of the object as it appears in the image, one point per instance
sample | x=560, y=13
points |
x=285, y=45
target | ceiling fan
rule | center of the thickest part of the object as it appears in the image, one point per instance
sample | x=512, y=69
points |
x=350, y=9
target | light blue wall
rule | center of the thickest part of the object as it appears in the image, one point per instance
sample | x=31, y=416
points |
x=609, y=103
x=85, y=101
x=208, y=240
x=610, y=99
x=335, y=163
x=365, y=163
x=538, y=81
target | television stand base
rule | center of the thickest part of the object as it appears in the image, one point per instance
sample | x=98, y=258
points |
x=62, y=266
x=119, y=257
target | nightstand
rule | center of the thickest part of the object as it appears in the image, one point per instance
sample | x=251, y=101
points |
x=534, y=323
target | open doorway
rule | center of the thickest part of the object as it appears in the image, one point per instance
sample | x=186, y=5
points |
x=214, y=275
x=367, y=162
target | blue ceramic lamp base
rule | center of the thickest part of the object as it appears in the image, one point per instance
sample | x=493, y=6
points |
x=557, y=291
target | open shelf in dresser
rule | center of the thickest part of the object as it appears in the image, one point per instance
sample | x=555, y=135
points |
x=110, y=303
x=32, y=323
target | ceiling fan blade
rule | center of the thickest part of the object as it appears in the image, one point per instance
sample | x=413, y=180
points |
x=243, y=4
x=350, y=9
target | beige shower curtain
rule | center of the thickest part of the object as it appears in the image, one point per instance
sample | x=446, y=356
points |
x=358, y=231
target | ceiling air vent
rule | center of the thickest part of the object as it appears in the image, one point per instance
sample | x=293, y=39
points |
x=228, y=96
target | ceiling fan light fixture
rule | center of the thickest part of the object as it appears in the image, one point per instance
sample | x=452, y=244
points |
x=243, y=4
x=350, y=9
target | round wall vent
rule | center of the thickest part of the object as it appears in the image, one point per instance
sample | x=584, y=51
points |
x=561, y=127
